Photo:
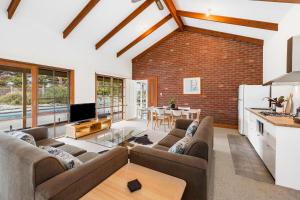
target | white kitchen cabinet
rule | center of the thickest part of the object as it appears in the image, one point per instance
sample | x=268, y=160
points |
x=279, y=149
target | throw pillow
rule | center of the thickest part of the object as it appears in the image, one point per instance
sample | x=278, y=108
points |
x=23, y=136
x=192, y=128
x=180, y=146
x=67, y=159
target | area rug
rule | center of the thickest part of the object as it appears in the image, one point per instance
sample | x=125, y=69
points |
x=246, y=161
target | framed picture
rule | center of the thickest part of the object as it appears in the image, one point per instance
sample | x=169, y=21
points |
x=192, y=85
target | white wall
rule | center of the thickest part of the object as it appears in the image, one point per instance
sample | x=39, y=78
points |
x=33, y=40
x=275, y=48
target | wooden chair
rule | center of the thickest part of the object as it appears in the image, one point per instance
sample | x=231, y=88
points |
x=185, y=111
x=176, y=114
x=161, y=118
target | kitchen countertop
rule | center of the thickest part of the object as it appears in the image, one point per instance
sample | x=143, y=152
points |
x=277, y=121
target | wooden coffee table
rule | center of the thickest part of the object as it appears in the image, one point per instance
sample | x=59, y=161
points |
x=155, y=185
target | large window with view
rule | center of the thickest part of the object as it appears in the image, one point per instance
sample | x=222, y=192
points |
x=33, y=95
x=15, y=98
x=110, y=97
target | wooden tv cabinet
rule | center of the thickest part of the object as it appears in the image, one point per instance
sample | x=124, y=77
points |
x=86, y=128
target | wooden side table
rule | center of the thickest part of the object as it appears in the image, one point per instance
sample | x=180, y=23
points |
x=155, y=185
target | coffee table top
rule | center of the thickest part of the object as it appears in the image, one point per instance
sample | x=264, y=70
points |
x=155, y=185
x=114, y=137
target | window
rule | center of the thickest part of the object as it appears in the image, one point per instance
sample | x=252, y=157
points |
x=33, y=95
x=110, y=97
x=15, y=98
x=53, y=97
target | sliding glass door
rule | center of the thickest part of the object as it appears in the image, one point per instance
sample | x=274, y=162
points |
x=15, y=98
x=53, y=98
x=110, y=97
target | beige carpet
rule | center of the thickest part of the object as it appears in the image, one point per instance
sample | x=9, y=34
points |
x=226, y=185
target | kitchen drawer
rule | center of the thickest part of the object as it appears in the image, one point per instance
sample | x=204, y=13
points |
x=269, y=139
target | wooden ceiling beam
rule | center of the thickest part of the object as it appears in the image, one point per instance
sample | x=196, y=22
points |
x=83, y=13
x=239, y=38
x=230, y=20
x=145, y=34
x=12, y=8
x=171, y=7
x=282, y=1
x=128, y=19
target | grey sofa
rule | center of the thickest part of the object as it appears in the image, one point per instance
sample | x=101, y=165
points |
x=193, y=166
x=29, y=173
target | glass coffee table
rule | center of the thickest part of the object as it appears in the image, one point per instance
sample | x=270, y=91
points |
x=115, y=137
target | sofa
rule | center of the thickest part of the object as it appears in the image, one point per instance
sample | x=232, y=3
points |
x=29, y=173
x=42, y=138
x=193, y=166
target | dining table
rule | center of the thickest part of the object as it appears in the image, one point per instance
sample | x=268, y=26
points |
x=187, y=113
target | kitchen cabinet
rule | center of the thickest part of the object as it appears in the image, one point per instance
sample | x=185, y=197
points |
x=278, y=147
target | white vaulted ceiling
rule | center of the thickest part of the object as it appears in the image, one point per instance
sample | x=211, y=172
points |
x=53, y=16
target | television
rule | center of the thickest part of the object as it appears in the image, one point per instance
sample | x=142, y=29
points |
x=82, y=112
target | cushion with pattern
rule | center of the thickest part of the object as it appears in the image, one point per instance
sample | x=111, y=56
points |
x=68, y=160
x=23, y=136
x=180, y=146
x=191, y=130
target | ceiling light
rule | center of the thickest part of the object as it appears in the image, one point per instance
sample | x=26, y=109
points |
x=159, y=4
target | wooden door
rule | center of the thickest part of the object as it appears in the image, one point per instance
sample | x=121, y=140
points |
x=152, y=91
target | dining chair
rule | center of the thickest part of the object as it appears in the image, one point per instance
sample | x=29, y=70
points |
x=185, y=111
x=176, y=114
x=196, y=112
x=161, y=118
x=149, y=110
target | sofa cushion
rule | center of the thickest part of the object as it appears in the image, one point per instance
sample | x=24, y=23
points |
x=160, y=147
x=87, y=156
x=23, y=136
x=181, y=145
x=49, y=142
x=192, y=128
x=169, y=141
x=67, y=159
x=75, y=151
x=178, y=132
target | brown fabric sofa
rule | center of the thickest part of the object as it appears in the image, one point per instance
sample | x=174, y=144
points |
x=41, y=138
x=193, y=166
x=29, y=173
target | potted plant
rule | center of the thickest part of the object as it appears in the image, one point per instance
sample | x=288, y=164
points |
x=277, y=103
x=172, y=103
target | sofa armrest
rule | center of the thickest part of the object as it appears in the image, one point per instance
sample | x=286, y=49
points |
x=191, y=169
x=76, y=182
x=183, y=123
x=39, y=133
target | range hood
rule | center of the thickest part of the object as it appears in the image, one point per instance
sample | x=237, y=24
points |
x=293, y=64
x=292, y=78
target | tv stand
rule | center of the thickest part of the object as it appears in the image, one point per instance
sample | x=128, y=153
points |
x=82, y=129
x=81, y=122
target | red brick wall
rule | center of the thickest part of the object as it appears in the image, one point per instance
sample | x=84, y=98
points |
x=223, y=65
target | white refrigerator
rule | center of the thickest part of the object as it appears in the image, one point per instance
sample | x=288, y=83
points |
x=251, y=96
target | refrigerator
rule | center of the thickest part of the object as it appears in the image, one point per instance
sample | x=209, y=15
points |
x=251, y=96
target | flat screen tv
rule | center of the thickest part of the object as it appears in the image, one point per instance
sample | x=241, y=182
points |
x=82, y=112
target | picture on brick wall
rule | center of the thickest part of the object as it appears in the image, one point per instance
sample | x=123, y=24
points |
x=192, y=85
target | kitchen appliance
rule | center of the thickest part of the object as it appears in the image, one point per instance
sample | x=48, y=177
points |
x=292, y=77
x=251, y=96
x=274, y=114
